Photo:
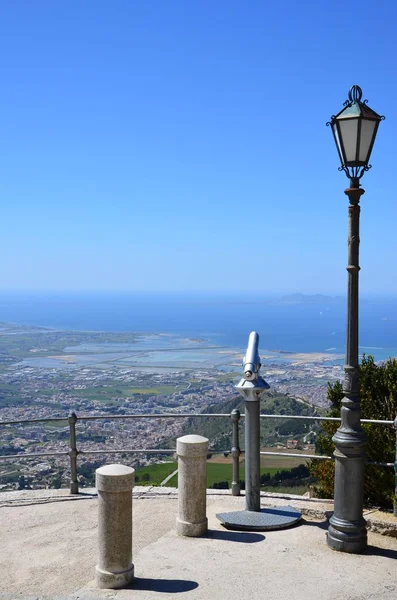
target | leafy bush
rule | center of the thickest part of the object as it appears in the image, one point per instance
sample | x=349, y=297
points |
x=297, y=476
x=220, y=485
x=378, y=401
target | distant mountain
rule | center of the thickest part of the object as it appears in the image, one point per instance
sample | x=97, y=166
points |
x=311, y=299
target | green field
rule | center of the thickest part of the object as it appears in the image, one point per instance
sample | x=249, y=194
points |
x=154, y=391
x=107, y=392
x=223, y=472
x=155, y=474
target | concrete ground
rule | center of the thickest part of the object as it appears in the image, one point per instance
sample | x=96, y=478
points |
x=49, y=548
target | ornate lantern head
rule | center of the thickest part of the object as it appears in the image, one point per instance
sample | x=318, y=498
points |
x=355, y=128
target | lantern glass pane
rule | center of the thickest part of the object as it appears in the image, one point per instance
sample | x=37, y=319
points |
x=348, y=131
x=367, y=133
x=338, y=145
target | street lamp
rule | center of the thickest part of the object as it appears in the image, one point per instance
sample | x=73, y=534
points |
x=354, y=129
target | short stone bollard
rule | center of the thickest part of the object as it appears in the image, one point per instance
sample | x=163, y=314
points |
x=114, y=484
x=192, y=453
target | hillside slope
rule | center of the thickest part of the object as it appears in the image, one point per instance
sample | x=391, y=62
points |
x=219, y=430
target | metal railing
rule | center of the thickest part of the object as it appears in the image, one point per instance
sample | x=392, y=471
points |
x=235, y=451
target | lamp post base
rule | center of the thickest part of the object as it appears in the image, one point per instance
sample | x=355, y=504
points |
x=347, y=536
x=347, y=527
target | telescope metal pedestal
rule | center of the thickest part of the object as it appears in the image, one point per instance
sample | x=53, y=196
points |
x=253, y=518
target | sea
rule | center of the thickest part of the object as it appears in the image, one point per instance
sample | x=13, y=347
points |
x=296, y=323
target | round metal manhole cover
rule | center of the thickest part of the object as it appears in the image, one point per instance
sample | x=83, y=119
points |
x=266, y=519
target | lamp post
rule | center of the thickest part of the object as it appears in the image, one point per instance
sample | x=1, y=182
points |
x=354, y=129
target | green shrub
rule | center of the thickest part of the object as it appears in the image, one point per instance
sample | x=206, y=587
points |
x=378, y=384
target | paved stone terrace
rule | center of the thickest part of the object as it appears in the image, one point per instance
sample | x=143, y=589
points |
x=49, y=545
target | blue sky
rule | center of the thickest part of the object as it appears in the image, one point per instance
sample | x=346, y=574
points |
x=173, y=145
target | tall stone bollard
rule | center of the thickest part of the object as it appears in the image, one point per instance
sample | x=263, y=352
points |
x=192, y=453
x=114, y=484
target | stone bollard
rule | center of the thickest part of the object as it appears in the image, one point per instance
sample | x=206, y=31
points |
x=114, y=484
x=192, y=453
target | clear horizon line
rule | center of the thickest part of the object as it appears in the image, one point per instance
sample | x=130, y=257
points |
x=246, y=293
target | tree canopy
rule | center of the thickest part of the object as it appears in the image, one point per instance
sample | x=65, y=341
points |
x=378, y=383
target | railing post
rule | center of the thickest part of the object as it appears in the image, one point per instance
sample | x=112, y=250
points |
x=235, y=416
x=74, y=484
x=395, y=474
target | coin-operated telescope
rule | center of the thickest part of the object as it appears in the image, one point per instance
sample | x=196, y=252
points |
x=253, y=518
x=251, y=387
